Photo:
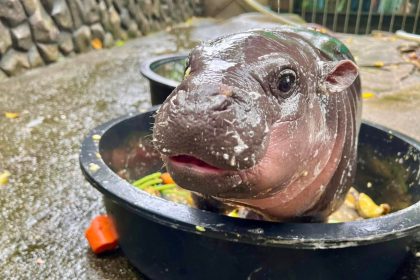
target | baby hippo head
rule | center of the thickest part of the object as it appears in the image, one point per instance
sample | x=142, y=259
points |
x=250, y=115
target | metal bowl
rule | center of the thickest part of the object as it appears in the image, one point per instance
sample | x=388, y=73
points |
x=164, y=74
x=162, y=240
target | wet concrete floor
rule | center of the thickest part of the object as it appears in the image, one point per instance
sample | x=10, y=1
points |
x=47, y=204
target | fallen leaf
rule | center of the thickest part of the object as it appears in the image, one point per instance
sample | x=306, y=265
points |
x=368, y=95
x=4, y=178
x=379, y=64
x=96, y=43
x=119, y=43
x=11, y=115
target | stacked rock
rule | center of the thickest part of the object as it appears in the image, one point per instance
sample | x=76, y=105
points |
x=39, y=32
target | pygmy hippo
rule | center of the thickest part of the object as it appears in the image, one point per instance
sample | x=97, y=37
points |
x=267, y=119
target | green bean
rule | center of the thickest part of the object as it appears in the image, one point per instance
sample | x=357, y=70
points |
x=146, y=178
x=149, y=183
x=178, y=192
x=165, y=187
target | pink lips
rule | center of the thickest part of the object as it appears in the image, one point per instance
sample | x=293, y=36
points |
x=194, y=163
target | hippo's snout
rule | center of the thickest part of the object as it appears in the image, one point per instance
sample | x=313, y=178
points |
x=213, y=123
x=203, y=103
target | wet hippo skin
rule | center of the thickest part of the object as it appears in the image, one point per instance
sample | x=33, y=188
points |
x=267, y=119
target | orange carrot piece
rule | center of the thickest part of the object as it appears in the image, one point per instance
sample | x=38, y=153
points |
x=166, y=178
x=101, y=234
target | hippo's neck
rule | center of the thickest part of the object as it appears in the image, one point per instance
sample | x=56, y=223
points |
x=348, y=124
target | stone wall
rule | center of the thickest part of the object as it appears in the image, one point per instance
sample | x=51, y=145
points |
x=37, y=32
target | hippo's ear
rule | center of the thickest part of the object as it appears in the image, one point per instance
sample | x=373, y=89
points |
x=339, y=75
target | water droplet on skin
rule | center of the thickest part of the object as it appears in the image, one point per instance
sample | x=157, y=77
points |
x=254, y=95
x=233, y=161
x=267, y=129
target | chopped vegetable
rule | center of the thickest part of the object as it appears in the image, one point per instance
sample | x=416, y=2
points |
x=149, y=183
x=152, y=191
x=176, y=190
x=102, y=235
x=94, y=167
x=4, y=178
x=355, y=207
x=367, y=208
x=234, y=213
x=162, y=185
x=351, y=198
x=166, y=178
x=165, y=187
x=178, y=195
x=146, y=178
x=200, y=228
x=96, y=137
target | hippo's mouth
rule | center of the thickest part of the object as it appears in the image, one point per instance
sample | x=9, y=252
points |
x=197, y=175
x=194, y=163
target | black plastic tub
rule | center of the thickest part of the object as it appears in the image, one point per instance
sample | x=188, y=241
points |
x=162, y=240
x=164, y=74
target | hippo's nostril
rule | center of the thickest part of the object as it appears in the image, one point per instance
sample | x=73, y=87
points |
x=226, y=90
x=220, y=103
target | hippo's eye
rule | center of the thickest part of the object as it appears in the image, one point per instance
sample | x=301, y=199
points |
x=286, y=81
